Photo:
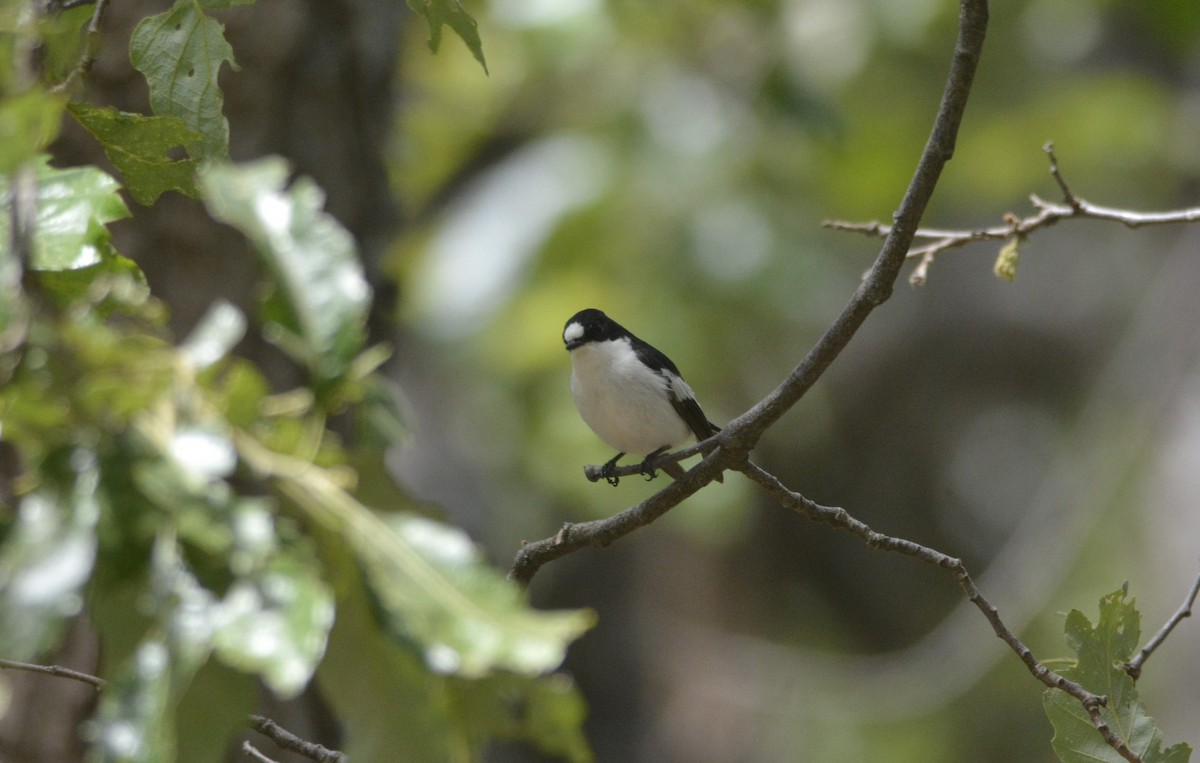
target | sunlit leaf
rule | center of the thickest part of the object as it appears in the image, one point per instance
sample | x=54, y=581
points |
x=450, y=13
x=222, y=327
x=323, y=294
x=1102, y=651
x=73, y=207
x=137, y=145
x=47, y=556
x=275, y=622
x=431, y=586
x=180, y=52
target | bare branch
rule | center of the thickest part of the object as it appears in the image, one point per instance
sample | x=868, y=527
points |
x=740, y=436
x=1134, y=668
x=54, y=670
x=1047, y=214
x=289, y=741
x=840, y=519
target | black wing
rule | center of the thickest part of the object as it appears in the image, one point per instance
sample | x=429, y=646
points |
x=688, y=409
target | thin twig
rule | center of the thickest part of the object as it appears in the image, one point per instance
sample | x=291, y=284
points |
x=1047, y=214
x=54, y=670
x=91, y=45
x=1134, y=668
x=253, y=753
x=289, y=741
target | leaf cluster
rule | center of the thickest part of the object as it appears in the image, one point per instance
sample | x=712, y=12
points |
x=212, y=529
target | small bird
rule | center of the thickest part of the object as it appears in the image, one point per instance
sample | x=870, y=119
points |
x=630, y=394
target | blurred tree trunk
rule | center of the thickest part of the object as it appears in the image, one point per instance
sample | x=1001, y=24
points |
x=315, y=85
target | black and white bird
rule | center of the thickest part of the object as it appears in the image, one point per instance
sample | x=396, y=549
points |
x=630, y=394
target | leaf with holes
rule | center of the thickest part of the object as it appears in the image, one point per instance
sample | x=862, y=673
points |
x=137, y=145
x=180, y=52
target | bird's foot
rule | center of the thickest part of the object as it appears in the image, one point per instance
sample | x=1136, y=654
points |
x=608, y=470
x=647, y=466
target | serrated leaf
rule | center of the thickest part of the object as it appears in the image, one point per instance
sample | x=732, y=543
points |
x=180, y=52
x=450, y=13
x=137, y=146
x=432, y=588
x=73, y=207
x=323, y=296
x=1102, y=650
x=47, y=556
x=28, y=122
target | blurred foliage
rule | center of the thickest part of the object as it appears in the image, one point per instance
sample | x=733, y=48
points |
x=206, y=525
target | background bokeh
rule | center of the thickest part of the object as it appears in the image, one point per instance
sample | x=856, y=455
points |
x=671, y=163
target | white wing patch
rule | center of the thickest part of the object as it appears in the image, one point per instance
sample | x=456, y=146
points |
x=679, y=388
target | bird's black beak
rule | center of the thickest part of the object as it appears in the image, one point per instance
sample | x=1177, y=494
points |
x=573, y=344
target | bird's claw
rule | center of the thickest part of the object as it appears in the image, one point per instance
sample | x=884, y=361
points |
x=608, y=471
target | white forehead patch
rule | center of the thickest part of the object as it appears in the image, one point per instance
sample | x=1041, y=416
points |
x=573, y=331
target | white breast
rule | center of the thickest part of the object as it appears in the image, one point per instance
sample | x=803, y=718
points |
x=624, y=402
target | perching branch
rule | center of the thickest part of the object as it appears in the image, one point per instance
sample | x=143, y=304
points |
x=1134, y=668
x=739, y=437
x=1019, y=228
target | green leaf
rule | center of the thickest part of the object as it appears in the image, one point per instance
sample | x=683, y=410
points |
x=137, y=146
x=450, y=13
x=180, y=52
x=222, y=327
x=546, y=711
x=48, y=554
x=1102, y=652
x=28, y=122
x=432, y=589
x=73, y=207
x=323, y=296
x=275, y=621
